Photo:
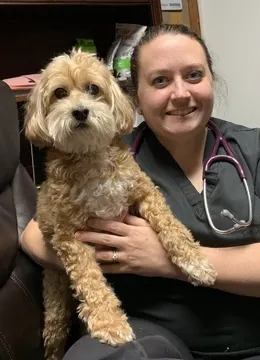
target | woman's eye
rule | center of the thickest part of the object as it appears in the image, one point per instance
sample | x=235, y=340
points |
x=92, y=89
x=160, y=81
x=195, y=76
x=60, y=93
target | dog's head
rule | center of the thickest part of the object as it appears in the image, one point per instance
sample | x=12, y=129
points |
x=77, y=106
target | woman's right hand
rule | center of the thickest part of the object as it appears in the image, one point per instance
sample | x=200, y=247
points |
x=40, y=251
x=33, y=244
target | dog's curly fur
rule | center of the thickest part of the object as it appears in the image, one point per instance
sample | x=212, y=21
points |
x=78, y=111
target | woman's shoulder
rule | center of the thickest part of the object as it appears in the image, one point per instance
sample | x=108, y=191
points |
x=245, y=136
x=244, y=139
x=228, y=127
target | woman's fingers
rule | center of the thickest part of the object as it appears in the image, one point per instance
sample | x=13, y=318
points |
x=53, y=258
x=110, y=226
x=98, y=238
x=110, y=257
x=117, y=226
x=135, y=221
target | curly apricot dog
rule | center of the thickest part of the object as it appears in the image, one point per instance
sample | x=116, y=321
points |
x=78, y=111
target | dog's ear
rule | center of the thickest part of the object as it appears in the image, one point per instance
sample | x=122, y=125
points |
x=34, y=119
x=122, y=109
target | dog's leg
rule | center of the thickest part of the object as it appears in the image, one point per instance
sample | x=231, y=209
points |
x=175, y=237
x=56, y=297
x=99, y=307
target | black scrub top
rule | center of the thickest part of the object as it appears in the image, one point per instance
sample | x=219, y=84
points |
x=207, y=320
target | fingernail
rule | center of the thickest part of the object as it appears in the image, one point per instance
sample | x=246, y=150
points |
x=78, y=235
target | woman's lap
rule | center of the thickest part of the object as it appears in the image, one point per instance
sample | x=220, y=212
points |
x=152, y=342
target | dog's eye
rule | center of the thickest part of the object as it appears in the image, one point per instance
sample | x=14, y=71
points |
x=92, y=89
x=60, y=93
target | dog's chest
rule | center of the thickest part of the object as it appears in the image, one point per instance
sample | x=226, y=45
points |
x=105, y=198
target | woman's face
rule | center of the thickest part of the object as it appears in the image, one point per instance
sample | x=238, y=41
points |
x=175, y=93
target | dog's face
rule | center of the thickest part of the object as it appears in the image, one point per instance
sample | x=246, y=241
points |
x=77, y=106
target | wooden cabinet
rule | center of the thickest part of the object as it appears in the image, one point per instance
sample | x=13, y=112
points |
x=33, y=31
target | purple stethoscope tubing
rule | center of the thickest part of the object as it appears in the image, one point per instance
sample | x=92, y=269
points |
x=230, y=158
x=213, y=158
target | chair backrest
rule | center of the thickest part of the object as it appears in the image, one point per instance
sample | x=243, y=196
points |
x=20, y=277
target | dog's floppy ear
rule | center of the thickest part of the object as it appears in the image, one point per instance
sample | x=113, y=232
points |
x=34, y=119
x=122, y=108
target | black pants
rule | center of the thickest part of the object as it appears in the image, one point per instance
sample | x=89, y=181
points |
x=152, y=343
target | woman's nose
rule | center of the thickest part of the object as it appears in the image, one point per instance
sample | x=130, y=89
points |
x=180, y=91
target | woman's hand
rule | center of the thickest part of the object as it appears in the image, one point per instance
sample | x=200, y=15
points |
x=134, y=245
x=34, y=245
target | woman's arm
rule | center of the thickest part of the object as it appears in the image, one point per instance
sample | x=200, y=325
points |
x=140, y=252
x=33, y=245
x=238, y=268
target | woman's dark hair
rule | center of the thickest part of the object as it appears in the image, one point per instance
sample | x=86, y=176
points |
x=155, y=31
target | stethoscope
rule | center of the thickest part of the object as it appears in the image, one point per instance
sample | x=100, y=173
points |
x=213, y=158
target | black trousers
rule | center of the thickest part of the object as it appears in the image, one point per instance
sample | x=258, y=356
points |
x=152, y=343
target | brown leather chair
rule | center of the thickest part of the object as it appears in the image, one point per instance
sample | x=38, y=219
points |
x=20, y=278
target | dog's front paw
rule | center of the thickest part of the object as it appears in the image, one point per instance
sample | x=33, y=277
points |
x=200, y=272
x=113, y=330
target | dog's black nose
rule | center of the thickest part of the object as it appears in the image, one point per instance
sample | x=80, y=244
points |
x=80, y=114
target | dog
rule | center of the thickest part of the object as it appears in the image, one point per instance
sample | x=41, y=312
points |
x=79, y=113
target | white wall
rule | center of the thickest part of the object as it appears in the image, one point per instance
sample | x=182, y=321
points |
x=231, y=29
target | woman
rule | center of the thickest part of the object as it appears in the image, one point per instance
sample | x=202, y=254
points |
x=173, y=80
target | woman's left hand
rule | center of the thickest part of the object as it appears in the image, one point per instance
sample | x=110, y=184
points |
x=133, y=243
